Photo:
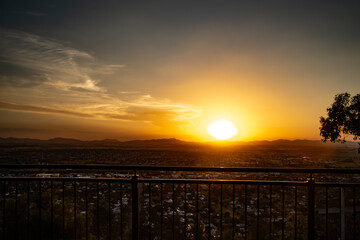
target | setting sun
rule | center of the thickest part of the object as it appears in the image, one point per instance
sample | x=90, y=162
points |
x=222, y=129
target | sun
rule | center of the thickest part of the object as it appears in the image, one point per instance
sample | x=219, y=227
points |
x=222, y=129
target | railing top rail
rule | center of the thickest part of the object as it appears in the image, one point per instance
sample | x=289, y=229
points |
x=64, y=179
x=183, y=169
x=179, y=181
x=224, y=181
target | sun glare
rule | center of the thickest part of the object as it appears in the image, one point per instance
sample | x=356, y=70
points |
x=222, y=129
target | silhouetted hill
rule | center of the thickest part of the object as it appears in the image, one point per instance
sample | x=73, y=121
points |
x=158, y=143
x=111, y=143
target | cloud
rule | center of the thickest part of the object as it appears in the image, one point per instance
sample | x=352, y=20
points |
x=46, y=76
x=38, y=109
x=51, y=61
x=127, y=111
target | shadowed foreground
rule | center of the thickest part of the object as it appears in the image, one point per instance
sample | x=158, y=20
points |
x=97, y=202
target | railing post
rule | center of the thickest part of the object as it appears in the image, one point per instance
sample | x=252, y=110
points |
x=135, y=208
x=311, y=209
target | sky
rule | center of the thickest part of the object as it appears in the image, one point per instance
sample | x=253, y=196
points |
x=162, y=69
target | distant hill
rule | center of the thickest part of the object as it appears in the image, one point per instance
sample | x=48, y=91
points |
x=156, y=143
x=107, y=143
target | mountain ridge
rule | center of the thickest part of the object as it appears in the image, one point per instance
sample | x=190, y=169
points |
x=60, y=141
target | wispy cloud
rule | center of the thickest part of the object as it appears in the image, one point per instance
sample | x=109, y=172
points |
x=38, y=109
x=47, y=76
x=56, y=64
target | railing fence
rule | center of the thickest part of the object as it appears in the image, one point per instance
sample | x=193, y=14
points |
x=140, y=208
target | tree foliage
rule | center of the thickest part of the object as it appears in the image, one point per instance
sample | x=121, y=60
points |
x=343, y=119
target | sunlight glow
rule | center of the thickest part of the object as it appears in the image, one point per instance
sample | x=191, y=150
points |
x=222, y=129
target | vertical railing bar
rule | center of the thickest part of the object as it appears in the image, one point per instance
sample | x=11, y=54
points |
x=4, y=209
x=40, y=217
x=16, y=211
x=327, y=213
x=270, y=216
x=135, y=207
x=311, y=209
x=86, y=211
x=75, y=210
x=52, y=209
x=185, y=213
x=197, y=211
x=97, y=211
x=283, y=212
x=28, y=211
x=354, y=212
x=245, y=209
x=221, y=211
x=150, y=211
x=121, y=211
x=233, y=213
x=173, y=211
x=340, y=213
x=343, y=213
x=258, y=212
x=109, y=208
x=63, y=209
x=295, y=224
x=161, y=211
x=209, y=207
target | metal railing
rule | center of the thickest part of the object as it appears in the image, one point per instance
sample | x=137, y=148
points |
x=147, y=202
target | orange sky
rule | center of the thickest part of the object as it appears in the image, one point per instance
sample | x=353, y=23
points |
x=151, y=70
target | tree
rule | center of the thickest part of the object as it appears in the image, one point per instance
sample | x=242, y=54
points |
x=343, y=119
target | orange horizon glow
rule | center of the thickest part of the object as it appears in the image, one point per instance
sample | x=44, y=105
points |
x=250, y=127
